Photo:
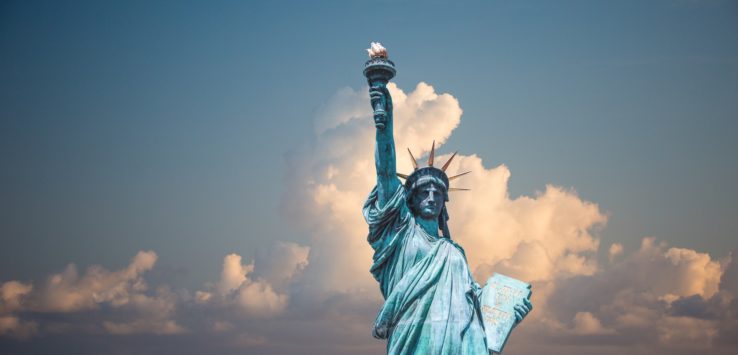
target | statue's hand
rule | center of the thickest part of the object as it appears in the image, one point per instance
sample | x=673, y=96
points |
x=387, y=99
x=382, y=104
x=522, y=310
x=375, y=94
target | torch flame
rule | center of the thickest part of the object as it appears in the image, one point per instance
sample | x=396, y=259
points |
x=377, y=50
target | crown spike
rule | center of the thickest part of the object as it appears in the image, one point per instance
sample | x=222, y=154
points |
x=455, y=176
x=402, y=176
x=449, y=161
x=412, y=158
x=457, y=189
x=432, y=153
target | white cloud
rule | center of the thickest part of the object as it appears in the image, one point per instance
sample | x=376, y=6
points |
x=658, y=296
x=661, y=270
x=203, y=296
x=233, y=274
x=549, y=238
x=281, y=264
x=13, y=326
x=151, y=314
x=615, y=250
x=333, y=175
x=258, y=298
x=538, y=238
x=12, y=294
x=729, y=280
x=585, y=323
x=321, y=298
x=254, y=291
x=69, y=292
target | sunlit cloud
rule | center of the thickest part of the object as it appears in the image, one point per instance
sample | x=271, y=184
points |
x=123, y=291
x=295, y=297
x=256, y=292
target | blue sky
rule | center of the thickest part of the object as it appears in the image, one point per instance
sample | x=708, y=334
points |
x=128, y=126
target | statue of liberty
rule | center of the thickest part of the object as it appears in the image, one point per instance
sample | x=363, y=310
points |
x=432, y=303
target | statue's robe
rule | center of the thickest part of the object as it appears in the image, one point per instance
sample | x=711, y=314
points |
x=431, y=300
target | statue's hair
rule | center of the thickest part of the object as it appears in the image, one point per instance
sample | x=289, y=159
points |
x=428, y=174
x=430, y=179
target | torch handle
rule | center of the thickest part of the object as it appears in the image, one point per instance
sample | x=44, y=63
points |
x=380, y=115
x=380, y=112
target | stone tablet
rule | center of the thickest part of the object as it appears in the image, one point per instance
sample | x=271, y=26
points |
x=499, y=297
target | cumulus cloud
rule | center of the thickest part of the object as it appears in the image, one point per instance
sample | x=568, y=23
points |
x=537, y=238
x=233, y=274
x=150, y=314
x=68, y=291
x=659, y=295
x=255, y=291
x=123, y=291
x=13, y=326
x=615, y=250
x=119, y=302
x=585, y=323
x=321, y=298
x=12, y=294
x=548, y=238
x=335, y=171
x=281, y=263
x=729, y=279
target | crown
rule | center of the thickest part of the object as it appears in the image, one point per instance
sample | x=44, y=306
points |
x=430, y=172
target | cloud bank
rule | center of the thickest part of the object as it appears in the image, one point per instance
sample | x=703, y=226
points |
x=320, y=298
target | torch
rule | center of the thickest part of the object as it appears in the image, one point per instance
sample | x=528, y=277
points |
x=378, y=71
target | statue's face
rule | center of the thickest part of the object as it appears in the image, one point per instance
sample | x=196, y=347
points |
x=428, y=200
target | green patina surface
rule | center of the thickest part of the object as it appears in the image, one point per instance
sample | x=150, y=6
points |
x=431, y=299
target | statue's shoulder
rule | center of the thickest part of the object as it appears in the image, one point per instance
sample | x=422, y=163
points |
x=457, y=246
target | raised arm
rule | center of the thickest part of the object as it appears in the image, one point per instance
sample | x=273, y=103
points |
x=384, y=149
